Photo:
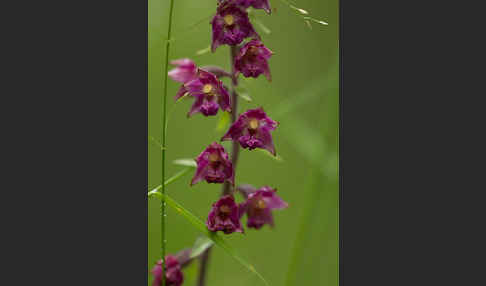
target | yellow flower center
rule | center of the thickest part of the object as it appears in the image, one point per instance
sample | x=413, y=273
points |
x=207, y=88
x=253, y=123
x=224, y=209
x=261, y=204
x=213, y=157
x=229, y=20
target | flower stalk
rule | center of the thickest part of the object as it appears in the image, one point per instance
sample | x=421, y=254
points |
x=226, y=189
x=163, y=135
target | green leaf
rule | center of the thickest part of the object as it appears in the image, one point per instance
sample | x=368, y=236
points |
x=156, y=142
x=202, y=243
x=223, y=122
x=245, y=96
x=268, y=154
x=203, y=51
x=170, y=180
x=308, y=23
x=262, y=27
x=243, y=93
x=182, y=97
x=186, y=162
x=301, y=11
x=303, y=14
x=215, y=237
x=316, y=21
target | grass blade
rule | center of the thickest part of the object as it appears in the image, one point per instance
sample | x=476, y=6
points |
x=202, y=243
x=170, y=180
x=156, y=142
x=277, y=158
x=201, y=226
x=186, y=162
x=223, y=122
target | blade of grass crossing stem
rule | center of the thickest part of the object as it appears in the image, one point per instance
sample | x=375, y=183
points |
x=202, y=243
x=171, y=180
x=201, y=226
x=186, y=162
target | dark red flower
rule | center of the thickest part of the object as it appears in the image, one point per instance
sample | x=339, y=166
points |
x=173, y=273
x=185, y=71
x=257, y=4
x=224, y=216
x=252, y=130
x=214, y=166
x=209, y=92
x=231, y=26
x=259, y=205
x=252, y=60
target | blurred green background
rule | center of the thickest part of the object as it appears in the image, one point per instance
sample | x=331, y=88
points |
x=303, y=96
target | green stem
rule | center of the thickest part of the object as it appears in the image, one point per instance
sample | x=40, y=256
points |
x=164, y=119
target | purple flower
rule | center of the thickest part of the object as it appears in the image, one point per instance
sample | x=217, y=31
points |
x=252, y=60
x=209, y=92
x=257, y=4
x=224, y=216
x=185, y=71
x=231, y=26
x=173, y=273
x=252, y=130
x=259, y=205
x=214, y=166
